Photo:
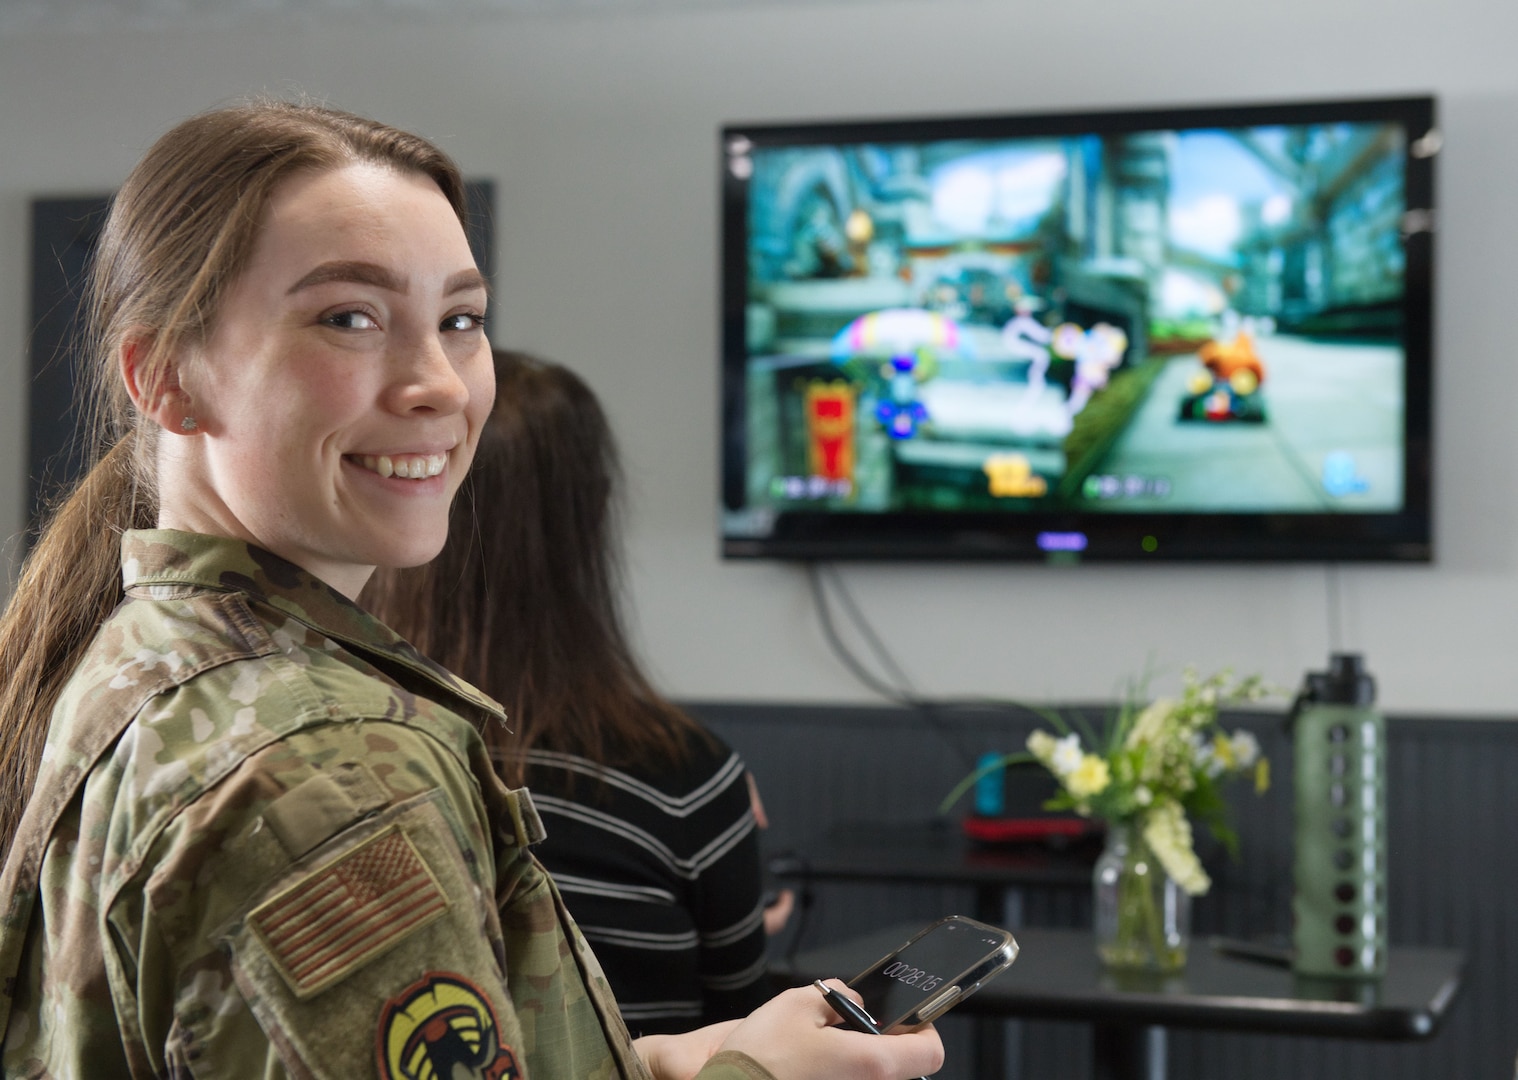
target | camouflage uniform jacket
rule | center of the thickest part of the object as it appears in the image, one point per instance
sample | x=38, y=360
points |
x=266, y=842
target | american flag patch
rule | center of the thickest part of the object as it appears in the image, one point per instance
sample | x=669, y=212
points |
x=348, y=912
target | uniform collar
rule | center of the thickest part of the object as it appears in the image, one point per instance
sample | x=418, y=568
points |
x=167, y=559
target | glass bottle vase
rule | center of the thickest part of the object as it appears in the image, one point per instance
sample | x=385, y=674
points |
x=1143, y=918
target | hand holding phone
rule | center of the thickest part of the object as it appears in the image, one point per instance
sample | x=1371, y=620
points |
x=936, y=969
x=791, y=1036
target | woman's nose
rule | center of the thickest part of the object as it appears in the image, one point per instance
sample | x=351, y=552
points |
x=428, y=378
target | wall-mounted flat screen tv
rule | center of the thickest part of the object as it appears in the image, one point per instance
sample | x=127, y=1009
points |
x=1192, y=333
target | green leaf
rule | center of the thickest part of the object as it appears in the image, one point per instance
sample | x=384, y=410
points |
x=985, y=770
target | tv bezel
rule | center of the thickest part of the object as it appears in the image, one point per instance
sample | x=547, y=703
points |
x=1402, y=536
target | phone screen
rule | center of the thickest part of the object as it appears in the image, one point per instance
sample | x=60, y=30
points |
x=895, y=989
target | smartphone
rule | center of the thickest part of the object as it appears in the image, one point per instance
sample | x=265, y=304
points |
x=936, y=969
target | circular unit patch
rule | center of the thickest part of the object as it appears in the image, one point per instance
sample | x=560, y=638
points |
x=439, y=1028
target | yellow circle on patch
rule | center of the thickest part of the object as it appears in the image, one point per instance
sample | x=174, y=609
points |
x=438, y=1025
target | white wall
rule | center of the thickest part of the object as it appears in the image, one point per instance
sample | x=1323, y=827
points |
x=601, y=131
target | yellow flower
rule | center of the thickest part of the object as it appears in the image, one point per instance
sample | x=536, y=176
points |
x=1262, y=776
x=1090, y=777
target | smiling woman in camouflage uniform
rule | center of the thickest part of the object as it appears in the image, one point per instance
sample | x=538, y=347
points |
x=261, y=836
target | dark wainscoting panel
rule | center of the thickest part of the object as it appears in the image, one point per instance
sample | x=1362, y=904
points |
x=1453, y=805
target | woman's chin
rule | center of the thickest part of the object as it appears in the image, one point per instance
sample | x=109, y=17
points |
x=409, y=544
x=417, y=550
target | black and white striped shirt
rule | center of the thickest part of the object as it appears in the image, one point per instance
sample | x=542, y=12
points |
x=662, y=873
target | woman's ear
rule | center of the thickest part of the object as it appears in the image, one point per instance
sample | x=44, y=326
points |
x=155, y=389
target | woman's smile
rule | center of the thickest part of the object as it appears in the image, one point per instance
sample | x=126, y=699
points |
x=405, y=466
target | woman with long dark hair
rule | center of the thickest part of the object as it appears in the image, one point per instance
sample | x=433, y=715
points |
x=651, y=831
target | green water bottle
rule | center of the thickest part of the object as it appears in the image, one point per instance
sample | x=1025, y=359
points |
x=1339, y=896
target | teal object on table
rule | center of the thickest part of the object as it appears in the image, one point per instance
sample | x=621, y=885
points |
x=990, y=789
x=1339, y=896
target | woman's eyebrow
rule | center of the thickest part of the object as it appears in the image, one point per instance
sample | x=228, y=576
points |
x=464, y=281
x=359, y=273
x=367, y=273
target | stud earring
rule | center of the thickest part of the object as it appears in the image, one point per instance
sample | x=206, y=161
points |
x=188, y=424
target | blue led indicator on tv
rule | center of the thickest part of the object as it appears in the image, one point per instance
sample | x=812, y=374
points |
x=1062, y=541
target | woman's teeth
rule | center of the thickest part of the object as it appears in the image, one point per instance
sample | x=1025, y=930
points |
x=411, y=467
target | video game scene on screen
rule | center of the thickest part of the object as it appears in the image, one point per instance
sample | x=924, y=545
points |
x=1200, y=320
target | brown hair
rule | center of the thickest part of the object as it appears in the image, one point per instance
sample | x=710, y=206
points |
x=523, y=600
x=179, y=231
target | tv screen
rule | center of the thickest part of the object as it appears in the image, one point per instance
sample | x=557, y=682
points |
x=1198, y=333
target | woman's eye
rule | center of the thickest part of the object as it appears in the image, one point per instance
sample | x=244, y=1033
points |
x=467, y=320
x=351, y=320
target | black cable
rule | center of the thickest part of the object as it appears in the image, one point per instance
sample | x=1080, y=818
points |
x=799, y=868
x=901, y=693
x=841, y=651
x=882, y=654
x=1334, y=608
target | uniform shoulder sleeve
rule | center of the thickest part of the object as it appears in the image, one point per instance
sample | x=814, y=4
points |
x=329, y=909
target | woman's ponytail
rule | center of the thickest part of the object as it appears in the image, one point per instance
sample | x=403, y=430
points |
x=70, y=582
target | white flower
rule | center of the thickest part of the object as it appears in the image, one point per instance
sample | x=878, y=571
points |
x=1142, y=795
x=1151, y=723
x=1066, y=756
x=1041, y=745
x=1246, y=748
x=1205, y=754
x=1168, y=834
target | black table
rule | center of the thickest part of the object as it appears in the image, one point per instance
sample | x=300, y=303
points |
x=1057, y=976
x=937, y=853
